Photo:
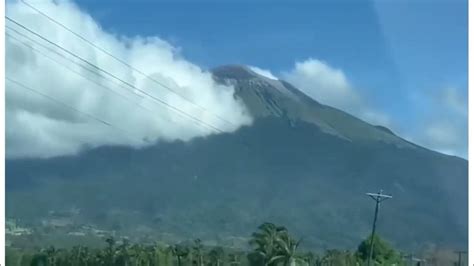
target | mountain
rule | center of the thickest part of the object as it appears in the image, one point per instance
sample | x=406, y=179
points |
x=301, y=164
x=265, y=97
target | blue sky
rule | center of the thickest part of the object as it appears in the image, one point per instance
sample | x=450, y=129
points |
x=406, y=60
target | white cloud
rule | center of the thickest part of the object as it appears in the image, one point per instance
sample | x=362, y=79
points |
x=323, y=83
x=376, y=117
x=37, y=127
x=442, y=134
x=445, y=130
x=330, y=86
x=446, y=137
x=454, y=101
x=263, y=72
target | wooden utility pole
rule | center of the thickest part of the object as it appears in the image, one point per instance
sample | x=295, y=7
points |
x=378, y=197
x=460, y=256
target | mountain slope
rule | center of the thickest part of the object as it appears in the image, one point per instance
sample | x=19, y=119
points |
x=267, y=97
x=301, y=163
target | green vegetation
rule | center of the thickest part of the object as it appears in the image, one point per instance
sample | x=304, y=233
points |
x=382, y=254
x=300, y=163
x=271, y=245
x=223, y=193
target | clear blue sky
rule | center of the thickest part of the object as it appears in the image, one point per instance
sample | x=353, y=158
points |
x=394, y=52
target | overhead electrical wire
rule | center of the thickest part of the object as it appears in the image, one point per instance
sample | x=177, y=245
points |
x=52, y=50
x=76, y=72
x=67, y=106
x=122, y=61
x=177, y=110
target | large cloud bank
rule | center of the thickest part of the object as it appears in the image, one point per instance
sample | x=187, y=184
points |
x=330, y=86
x=40, y=127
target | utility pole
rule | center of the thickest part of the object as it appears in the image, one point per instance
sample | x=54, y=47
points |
x=378, y=197
x=460, y=256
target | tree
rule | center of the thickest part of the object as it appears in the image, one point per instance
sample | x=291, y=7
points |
x=39, y=260
x=265, y=244
x=310, y=258
x=272, y=245
x=110, y=251
x=234, y=259
x=51, y=254
x=383, y=253
x=197, y=252
x=333, y=257
x=180, y=251
x=287, y=248
x=215, y=255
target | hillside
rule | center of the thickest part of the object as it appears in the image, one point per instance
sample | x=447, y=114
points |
x=301, y=163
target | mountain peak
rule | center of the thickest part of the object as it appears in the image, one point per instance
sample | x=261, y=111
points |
x=242, y=72
x=265, y=97
x=233, y=71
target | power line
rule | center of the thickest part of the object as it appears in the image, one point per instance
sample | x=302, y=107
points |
x=121, y=61
x=460, y=253
x=55, y=52
x=114, y=76
x=56, y=61
x=21, y=85
x=76, y=72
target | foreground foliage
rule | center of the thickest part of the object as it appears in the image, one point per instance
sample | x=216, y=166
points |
x=271, y=245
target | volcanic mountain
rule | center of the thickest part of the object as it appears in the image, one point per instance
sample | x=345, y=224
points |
x=301, y=163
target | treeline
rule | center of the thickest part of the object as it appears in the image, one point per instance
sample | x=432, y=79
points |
x=271, y=245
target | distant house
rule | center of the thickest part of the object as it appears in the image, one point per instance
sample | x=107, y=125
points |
x=76, y=233
x=58, y=222
x=17, y=231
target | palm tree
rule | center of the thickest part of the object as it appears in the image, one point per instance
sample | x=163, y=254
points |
x=51, y=254
x=168, y=254
x=156, y=254
x=287, y=248
x=215, y=255
x=123, y=253
x=265, y=243
x=310, y=258
x=197, y=252
x=234, y=259
x=180, y=251
x=138, y=254
x=110, y=251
